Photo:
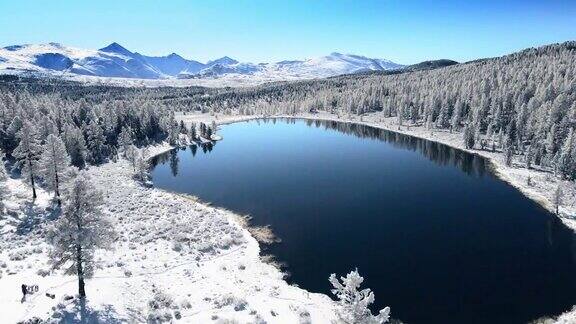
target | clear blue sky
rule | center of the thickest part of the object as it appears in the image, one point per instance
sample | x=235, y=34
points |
x=262, y=31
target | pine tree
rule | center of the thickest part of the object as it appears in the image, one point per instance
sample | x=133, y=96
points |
x=142, y=166
x=469, y=136
x=96, y=143
x=192, y=133
x=27, y=154
x=76, y=146
x=125, y=139
x=567, y=162
x=354, y=303
x=3, y=178
x=557, y=199
x=54, y=164
x=131, y=155
x=183, y=129
x=81, y=229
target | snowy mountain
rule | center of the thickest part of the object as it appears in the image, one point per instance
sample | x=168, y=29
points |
x=222, y=61
x=115, y=60
x=330, y=65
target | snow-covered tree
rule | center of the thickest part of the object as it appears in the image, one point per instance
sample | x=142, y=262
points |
x=76, y=146
x=96, y=143
x=3, y=178
x=81, y=229
x=142, y=166
x=353, y=303
x=54, y=164
x=27, y=154
x=557, y=199
x=131, y=155
x=125, y=139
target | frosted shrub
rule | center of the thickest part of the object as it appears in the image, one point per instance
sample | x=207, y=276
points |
x=353, y=303
x=160, y=300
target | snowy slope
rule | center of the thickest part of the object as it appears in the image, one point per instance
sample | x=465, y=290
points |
x=116, y=61
x=330, y=65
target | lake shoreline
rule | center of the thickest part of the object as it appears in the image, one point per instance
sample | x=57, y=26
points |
x=543, y=183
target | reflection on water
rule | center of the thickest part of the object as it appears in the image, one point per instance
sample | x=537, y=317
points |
x=439, y=153
x=437, y=236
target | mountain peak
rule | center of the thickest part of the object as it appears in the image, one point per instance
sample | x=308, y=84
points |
x=225, y=60
x=174, y=56
x=116, y=48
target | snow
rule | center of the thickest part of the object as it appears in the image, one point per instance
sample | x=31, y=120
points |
x=113, y=64
x=175, y=257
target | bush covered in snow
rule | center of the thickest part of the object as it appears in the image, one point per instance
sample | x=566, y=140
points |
x=353, y=303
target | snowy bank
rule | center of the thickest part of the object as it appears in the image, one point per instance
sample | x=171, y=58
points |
x=176, y=258
x=540, y=188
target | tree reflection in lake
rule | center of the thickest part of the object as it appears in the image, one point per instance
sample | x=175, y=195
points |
x=437, y=236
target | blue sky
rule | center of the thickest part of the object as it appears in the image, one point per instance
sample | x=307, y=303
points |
x=263, y=31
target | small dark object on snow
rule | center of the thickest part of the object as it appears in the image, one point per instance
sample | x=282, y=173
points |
x=31, y=289
x=24, y=290
x=68, y=297
x=50, y=295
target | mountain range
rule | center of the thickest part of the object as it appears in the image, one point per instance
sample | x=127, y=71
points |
x=115, y=60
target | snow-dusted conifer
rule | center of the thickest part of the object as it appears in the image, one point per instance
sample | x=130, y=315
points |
x=557, y=199
x=76, y=146
x=142, y=166
x=3, y=178
x=125, y=139
x=27, y=154
x=469, y=136
x=192, y=132
x=353, y=303
x=81, y=229
x=54, y=164
x=131, y=155
x=96, y=143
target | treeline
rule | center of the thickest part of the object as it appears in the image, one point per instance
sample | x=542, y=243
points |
x=523, y=104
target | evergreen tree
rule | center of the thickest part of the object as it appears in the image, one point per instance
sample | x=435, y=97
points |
x=192, y=133
x=96, y=143
x=3, y=178
x=142, y=166
x=557, y=199
x=27, y=154
x=469, y=136
x=567, y=162
x=131, y=155
x=353, y=303
x=81, y=229
x=125, y=139
x=54, y=164
x=76, y=146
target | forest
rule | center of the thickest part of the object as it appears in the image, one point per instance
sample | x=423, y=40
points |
x=522, y=105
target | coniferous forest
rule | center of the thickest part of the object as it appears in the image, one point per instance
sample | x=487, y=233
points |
x=522, y=104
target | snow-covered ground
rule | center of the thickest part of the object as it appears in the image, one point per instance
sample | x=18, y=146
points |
x=180, y=258
x=175, y=258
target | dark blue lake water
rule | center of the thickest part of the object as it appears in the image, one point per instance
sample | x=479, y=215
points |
x=437, y=237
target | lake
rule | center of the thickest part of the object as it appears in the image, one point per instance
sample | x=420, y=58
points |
x=435, y=234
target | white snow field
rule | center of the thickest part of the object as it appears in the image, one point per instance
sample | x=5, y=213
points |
x=175, y=259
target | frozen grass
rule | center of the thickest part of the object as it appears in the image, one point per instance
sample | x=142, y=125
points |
x=175, y=259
